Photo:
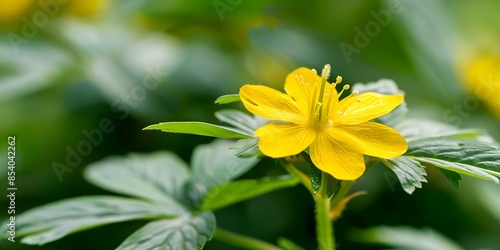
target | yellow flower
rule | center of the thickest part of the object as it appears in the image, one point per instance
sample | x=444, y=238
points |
x=481, y=75
x=12, y=10
x=310, y=114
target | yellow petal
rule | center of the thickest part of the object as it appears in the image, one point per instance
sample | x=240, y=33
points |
x=303, y=84
x=364, y=107
x=270, y=103
x=279, y=140
x=335, y=154
x=374, y=139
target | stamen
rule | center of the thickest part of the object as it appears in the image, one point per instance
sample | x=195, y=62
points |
x=324, y=81
x=346, y=87
x=355, y=92
x=337, y=81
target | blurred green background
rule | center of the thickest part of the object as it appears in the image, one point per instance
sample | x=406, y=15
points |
x=68, y=65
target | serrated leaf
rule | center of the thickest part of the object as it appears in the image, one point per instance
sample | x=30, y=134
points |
x=458, y=168
x=416, y=129
x=233, y=192
x=157, y=176
x=186, y=232
x=215, y=164
x=463, y=156
x=226, y=99
x=246, y=147
x=410, y=172
x=453, y=177
x=239, y=120
x=199, y=128
x=55, y=220
x=386, y=87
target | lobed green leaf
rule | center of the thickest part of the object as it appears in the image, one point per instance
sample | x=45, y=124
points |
x=55, y=220
x=157, y=176
x=185, y=232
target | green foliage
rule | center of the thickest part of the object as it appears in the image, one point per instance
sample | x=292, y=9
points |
x=404, y=238
x=410, y=172
x=454, y=151
x=240, y=120
x=226, y=99
x=233, y=192
x=246, y=147
x=212, y=165
x=184, y=232
x=163, y=186
x=53, y=221
x=157, y=176
x=199, y=128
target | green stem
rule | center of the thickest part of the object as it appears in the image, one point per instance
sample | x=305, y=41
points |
x=324, y=227
x=304, y=179
x=242, y=241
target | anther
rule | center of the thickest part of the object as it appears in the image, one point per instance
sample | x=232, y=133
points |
x=346, y=87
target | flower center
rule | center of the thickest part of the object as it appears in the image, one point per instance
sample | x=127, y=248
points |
x=322, y=101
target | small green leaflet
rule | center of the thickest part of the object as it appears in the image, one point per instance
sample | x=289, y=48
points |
x=226, y=99
x=200, y=128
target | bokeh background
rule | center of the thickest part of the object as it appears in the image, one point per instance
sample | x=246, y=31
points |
x=65, y=65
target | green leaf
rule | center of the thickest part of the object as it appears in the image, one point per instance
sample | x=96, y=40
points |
x=246, y=147
x=240, y=120
x=386, y=87
x=462, y=156
x=199, y=128
x=287, y=244
x=416, y=129
x=55, y=220
x=186, y=232
x=226, y=99
x=233, y=192
x=410, y=172
x=404, y=238
x=215, y=164
x=453, y=177
x=157, y=176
